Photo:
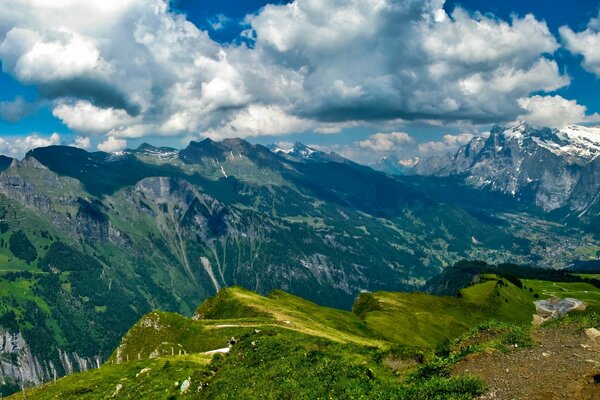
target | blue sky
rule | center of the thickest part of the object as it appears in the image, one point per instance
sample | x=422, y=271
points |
x=407, y=78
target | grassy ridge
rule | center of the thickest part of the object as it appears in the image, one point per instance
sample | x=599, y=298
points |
x=290, y=311
x=287, y=347
x=392, y=346
x=425, y=320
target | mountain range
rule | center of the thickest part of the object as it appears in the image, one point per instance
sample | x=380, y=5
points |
x=90, y=242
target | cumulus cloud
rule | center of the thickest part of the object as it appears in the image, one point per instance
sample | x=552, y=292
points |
x=34, y=57
x=554, y=111
x=382, y=142
x=128, y=65
x=82, y=142
x=131, y=68
x=17, y=146
x=448, y=144
x=381, y=60
x=83, y=116
x=112, y=144
x=585, y=43
x=260, y=120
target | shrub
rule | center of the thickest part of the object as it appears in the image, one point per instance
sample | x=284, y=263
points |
x=21, y=247
x=364, y=304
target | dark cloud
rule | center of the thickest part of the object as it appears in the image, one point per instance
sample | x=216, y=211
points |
x=17, y=109
x=102, y=94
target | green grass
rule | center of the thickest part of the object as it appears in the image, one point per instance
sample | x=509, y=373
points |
x=275, y=363
x=579, y=290
x=291, y=312
x=158, y=382
x=163, y=334
x=425, y=320
x=588, y=276
x=287, y=347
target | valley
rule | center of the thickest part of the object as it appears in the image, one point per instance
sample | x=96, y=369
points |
x=299, y=199
x=91, y=242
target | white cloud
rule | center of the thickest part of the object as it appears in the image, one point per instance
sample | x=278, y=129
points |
x=448, y=144
x=17, y=146
x=121, y=59
x=382, y=142
x=112, y=144
x=260, y=120
x=381, y=60
x=131, y=68
x=83, y=116
x=219, y=22
x=35, y=58
x=82, y=142
x=585, y=43
x=554, y=111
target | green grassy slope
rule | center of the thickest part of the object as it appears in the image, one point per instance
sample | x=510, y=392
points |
x=425, y=320
x=291, y=311
x=235, y=312
x=579, y=290
x=287, y=347
x=275, y=363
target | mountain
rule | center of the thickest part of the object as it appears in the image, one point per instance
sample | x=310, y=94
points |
x=90, y=242
x=392, y=164
x=300, y=151
x=551, y=168
x=5, y=162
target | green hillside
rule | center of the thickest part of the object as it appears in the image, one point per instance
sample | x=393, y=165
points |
x=425, y=320
x=287, y=347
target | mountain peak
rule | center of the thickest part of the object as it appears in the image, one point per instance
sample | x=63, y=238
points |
x=576, y=143
x=553, y=167
x=299, y=151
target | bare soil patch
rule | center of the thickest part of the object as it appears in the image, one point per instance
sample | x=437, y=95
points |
x=564, y=364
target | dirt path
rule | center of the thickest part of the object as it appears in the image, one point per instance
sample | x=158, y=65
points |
x=561, y=366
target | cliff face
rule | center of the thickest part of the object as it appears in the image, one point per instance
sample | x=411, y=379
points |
x=20, y=367
x=550, y=168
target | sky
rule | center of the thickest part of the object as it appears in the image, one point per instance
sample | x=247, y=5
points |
x=364, y=78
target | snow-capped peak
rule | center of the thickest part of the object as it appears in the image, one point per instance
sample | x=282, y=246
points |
x=298, y=150
x=576, y=142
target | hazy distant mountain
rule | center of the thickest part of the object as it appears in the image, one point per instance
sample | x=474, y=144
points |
x=394, y=165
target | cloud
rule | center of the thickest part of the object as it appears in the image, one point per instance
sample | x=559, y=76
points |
x=17, y=109
x=585, y=43
x=219, y=22
x=260, y=120
x=382, y=142
x=554, y=111
x=112, y=144
x=133, y=68
x=33, y=57
x=131, y=56
x=448, y=144
x=81, y=142
x=374, y=60
x=18, y=146
x=83, y=116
